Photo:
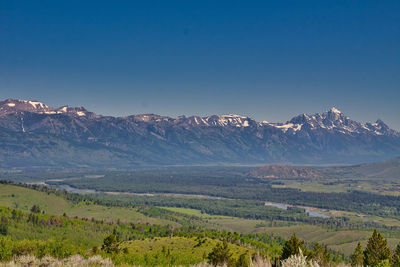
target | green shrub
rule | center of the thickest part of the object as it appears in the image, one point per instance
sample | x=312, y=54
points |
x=6, y=248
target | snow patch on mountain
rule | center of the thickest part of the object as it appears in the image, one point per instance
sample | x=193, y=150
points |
x=10, y=106
x=287, y=126
x=35, y=104
x=228, y=120
x=335, y=110
x=63, y=109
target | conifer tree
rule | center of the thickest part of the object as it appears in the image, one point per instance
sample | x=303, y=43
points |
x=3, y=225
x=357, y=258
x=396, y=257
x=292, y=247
x=221, y=254
x=377, y=250
x=35, y=209
x=110, y=244
x=321, y=255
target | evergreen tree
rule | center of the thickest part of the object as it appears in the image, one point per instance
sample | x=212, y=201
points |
x=14, y=214
x=396, y=257
x=35, y=209
x=292, y=247
x=357, y=258
x=377, y=250
x=220, y=255
x=321, y=255
x=3, y=225
x=110, y=244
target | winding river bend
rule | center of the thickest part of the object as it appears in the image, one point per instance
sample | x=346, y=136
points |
x=311, y=213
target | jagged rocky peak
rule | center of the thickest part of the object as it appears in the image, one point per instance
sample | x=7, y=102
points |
x=300, y=119
x=380, y=128
x=334, y=120
x=381, y=124
x=334, y=114
x=335, y=110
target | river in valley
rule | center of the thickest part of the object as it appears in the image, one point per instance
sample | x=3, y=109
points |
x=68, y=188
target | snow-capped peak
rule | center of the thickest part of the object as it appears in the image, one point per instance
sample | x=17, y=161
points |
x=35, y=104
x=10, y=106
x=335, y=110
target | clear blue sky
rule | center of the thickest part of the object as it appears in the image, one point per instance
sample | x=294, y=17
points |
x=269, y=60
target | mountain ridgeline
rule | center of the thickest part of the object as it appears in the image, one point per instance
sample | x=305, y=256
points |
x=34, y=134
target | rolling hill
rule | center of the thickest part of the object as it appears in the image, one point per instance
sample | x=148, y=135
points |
x=384, y=169
x=285, y=171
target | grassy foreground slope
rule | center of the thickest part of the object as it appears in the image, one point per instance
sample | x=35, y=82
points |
x=147, y=235
x=43, y=231
x=23, y=198
x=339, y=239
x=166, y=251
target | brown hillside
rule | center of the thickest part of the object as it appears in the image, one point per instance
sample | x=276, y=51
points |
x=285, y=171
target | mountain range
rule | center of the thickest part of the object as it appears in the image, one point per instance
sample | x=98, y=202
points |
x=34, y=134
